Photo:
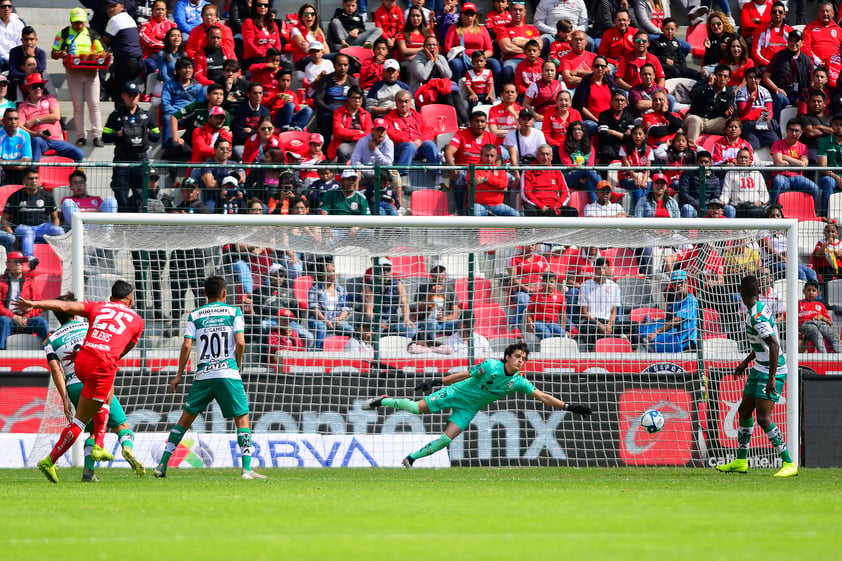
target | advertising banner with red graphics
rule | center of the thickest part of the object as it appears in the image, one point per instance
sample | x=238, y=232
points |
x=673, y=445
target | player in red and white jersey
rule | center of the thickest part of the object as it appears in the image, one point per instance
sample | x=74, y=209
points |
x=114, y=329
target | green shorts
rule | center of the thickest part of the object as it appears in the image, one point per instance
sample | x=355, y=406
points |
x=756, y=385
x=116, y=416
x=227, y=392
x=461, y=413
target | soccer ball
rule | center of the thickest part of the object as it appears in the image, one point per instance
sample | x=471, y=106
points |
x=652, y=421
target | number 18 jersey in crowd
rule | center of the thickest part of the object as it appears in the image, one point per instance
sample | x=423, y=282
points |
x=213, y=327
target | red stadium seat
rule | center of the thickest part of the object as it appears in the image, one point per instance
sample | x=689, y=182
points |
x=613, y=345
x=482, y=293
x=712, y=325
x=578, y=200
x=296, y=142
x=439, y=118
x=6, y=192
x=696, y=36
x=409, y=266
x=52, y=177
x=48, y=274
x=490, y=321
x=637, y=315
x=623, y=261
x=335, y=343
x=360, y=53
x=301, y=286
x=797, y=205
x=428, y=202
x=707, y=141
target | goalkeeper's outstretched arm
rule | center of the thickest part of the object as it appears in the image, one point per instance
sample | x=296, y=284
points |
x=555, y=402
x=445, y=381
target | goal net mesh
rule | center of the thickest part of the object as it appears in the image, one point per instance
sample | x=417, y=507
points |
x=337, y=315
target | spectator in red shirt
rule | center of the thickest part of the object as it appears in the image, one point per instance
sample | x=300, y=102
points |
x=593, y=94
x=790, y=152
x=490, y=186
x=576, y=64
x=525, y=272
x=545, y=316
x=307, y=31
x=513, y=38
x=206, y=136
x=152, y=35
x=618, y=40
x=470, y=35
x=465, y=148
x=822, y=37
x=350, y=123
x=528, y=69
x=389, y=18
x=754, y=14
x=561, y=45
x=814, y=322
x=556, y=120
x=406, y=129
x=544, y=190
x=503, y=117
x=770, y=38
x=628, y=73
x=260, y=33
x=198, y=36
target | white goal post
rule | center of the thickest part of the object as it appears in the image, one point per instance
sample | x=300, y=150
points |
x=317, y=389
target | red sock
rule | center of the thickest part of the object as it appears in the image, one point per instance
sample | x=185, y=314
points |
x=101, y=424
x=68, y=436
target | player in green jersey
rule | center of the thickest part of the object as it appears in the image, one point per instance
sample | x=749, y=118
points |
x=465, y=393
x=765, y=381
x=61, y=347
x=218, y=329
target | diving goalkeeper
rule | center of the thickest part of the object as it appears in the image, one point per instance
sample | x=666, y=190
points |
x=465, y=393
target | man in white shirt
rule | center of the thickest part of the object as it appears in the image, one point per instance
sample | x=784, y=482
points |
x=604, y=207
x=11, y=27
x=599, y=305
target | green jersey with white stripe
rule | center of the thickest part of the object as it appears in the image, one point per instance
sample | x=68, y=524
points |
x=212, y=327
x=760, y=324
x=62, y=342
x=490, y=382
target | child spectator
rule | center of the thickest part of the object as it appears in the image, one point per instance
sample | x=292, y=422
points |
x=372, y=69
x=315, y=156
x=827, y=255
x=529, y=69
x=265, y=72
x=316, y=68
x=479, y=83
x=814, y=322
x=561, y=45
x=347, y=28
x=389, y=18
x=289, y=112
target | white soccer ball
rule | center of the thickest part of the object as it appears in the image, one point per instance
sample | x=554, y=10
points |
x=652, y=421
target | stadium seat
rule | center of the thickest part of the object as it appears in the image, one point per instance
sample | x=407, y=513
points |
x=809, y=234
x=23, y=342
x=361, y=54
x=301, y=286
x=559, y=346
x=635, y=292
x=455, y=263
x=482, y=292
x=712, y=325
x=696, y=36
x=6, y=192
x=716, y=347
x=392, y=345
x=428, y=202
x=833, y=298
x=484, y=108
x=787, y=114
x=490, y=321
x=335, y=343
x=296, y=142
x=49, y=260
x=578, y=200
x=52, y=177
x=443, y=139
x=351, y=265
x=707, y=141
x=613, y=345
x=637, y=315
x=763, y=156
x=834, y=210
x=798, y=205
x=623, y=262
x=439, y=118
x=409, y=265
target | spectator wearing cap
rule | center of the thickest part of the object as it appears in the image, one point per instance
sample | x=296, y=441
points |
x=466, y=37
x=347, y=28
x=81, y=201
x=199, y=35
x=11, y=27
x=131, y=130
x=15, y=147
x=788, y=73
x=28, y=48
x=314, y=157
x=375, y=148
x=678, y=332
x=188, y=14
x=406, y=129
x=14, y=285
x=823, y=36
x=29, y=215
x=380, y=99
x=604, y=206
x=391, y=315
x=122, y=37
x=350, y=123
x=657, y=203
x=193, y=117
x=317, y=68
x=306, y=31
x=211, y=178
x=205, y=138
x=523, y=142
x=40, y=116
x=83, y=84
x=599, y=305
x=347, y=200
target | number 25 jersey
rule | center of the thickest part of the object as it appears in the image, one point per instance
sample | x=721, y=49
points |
x=112, y=326
x=213, y=327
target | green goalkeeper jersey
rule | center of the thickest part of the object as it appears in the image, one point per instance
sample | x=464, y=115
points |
x=213, y=327
x=759, y=325
x=488, y=383
x=62, y=342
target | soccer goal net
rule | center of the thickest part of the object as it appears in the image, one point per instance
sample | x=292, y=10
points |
x=625, y=315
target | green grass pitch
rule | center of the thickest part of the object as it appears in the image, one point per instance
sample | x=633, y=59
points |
x=450, y=514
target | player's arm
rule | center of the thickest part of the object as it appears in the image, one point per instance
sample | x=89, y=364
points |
x=73, y=308
x=556, y=403
x=746, y=361
x=183, y=357
x=445, y=381
x=57, y=373
x=239, y=348
x=774, y=353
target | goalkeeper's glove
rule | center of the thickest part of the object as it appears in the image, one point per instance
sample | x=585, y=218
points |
x=578, y=408
x=428, y=385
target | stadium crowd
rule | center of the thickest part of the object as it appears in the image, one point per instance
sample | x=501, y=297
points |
x=606, y=83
